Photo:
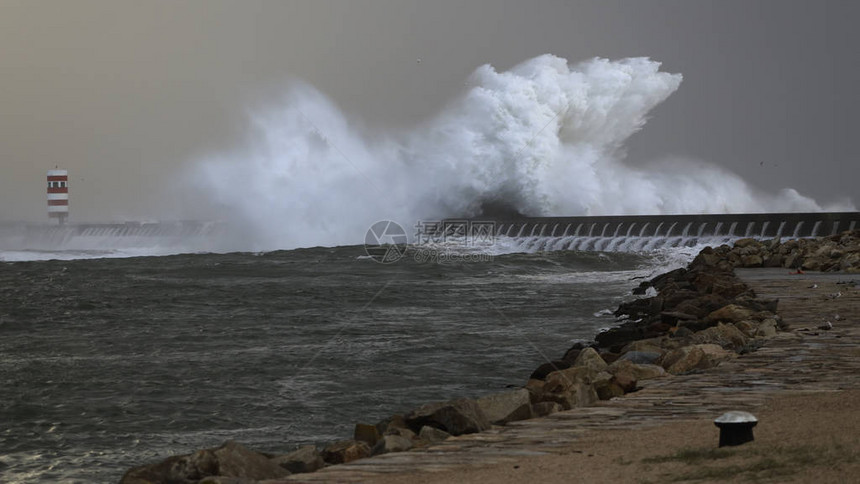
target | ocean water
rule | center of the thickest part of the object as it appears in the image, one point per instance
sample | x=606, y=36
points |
x=108, y=363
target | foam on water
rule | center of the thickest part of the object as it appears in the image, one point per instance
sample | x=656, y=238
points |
x=72, y=254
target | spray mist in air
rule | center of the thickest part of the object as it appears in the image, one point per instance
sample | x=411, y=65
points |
x=542, y=139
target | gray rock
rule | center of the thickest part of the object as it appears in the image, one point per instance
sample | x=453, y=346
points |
x=392, y=443
x=589, y=358
x=366, y=433
x=730, y=313
x=345, y=451
x=640, y=357
x=766, y=329
x=304, y=459
x=234, y=460
x=231, y=460
x=395, y=421
x=433, y=435
x=570, y=388
x=403, y=432
x=725, y=335
x=545, y=369
x=694, y=357
x=608, y=389
x=542, y=409
x=457, y=417
x=501, y=408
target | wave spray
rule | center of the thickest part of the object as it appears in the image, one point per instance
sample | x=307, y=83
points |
x=543, y=138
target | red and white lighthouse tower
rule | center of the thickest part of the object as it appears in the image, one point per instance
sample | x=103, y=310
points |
x=58, y=195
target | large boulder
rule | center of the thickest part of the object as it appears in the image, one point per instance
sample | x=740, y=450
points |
x=608, y=389
x=366, y=433
x=535, y=388
x=647, y=345
x=589, y=358
x=542, y=409
x=401, y=431
x=641, y=357
x=390, y=424
x=180, y=469
x=605, y=387
x=694, y=357
x=752, y=260
x=392, y=443
x=619, y=336
x=640, y=308
x=570, y=388
x=432, y=434
x=457, y=417
x=701, y=306
x=545, y=369
x=707, y=257
x=563, y=380
x=501, y=408
x=302, y=460
x=231, y=460
x=718, y=282
x=766, y=329
x=747, y=242
x=731, y=313
x=725, y=335
x=637, y=371
x=345, y=451
x=234, y=460
x=672, y=317
x=748, y=328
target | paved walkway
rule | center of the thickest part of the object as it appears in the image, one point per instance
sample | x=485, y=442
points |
x=796, y=361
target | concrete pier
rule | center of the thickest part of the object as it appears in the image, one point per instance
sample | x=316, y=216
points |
x=758, y=225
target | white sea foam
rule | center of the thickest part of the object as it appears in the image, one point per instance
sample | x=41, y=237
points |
x=544, y=138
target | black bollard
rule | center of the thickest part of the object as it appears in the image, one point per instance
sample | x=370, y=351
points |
x=736, y=428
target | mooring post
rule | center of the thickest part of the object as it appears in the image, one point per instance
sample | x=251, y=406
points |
x=736, y=428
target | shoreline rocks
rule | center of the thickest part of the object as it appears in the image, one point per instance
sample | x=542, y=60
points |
x=700, y=316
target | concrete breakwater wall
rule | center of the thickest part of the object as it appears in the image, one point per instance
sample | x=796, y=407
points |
x=759, y=225
x=643, y=232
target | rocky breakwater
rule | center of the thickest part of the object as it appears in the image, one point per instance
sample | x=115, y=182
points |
x=840, y=252
x=693, y=319
x=690, y=319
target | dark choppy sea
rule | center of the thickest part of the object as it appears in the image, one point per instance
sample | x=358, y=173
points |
x=110, y=363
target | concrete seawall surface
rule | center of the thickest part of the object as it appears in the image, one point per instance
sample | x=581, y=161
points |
x=759, y=225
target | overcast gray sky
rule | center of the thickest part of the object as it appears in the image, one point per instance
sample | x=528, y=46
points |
x=125, y=93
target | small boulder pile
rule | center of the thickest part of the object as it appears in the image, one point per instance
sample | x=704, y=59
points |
x=840, y=252
x=700, y=316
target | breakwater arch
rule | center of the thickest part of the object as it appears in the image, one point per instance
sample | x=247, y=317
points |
x=645, y=232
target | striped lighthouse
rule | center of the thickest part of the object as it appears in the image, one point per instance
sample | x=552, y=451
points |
x=58, y=195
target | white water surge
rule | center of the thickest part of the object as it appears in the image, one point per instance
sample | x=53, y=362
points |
x=544, y=138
